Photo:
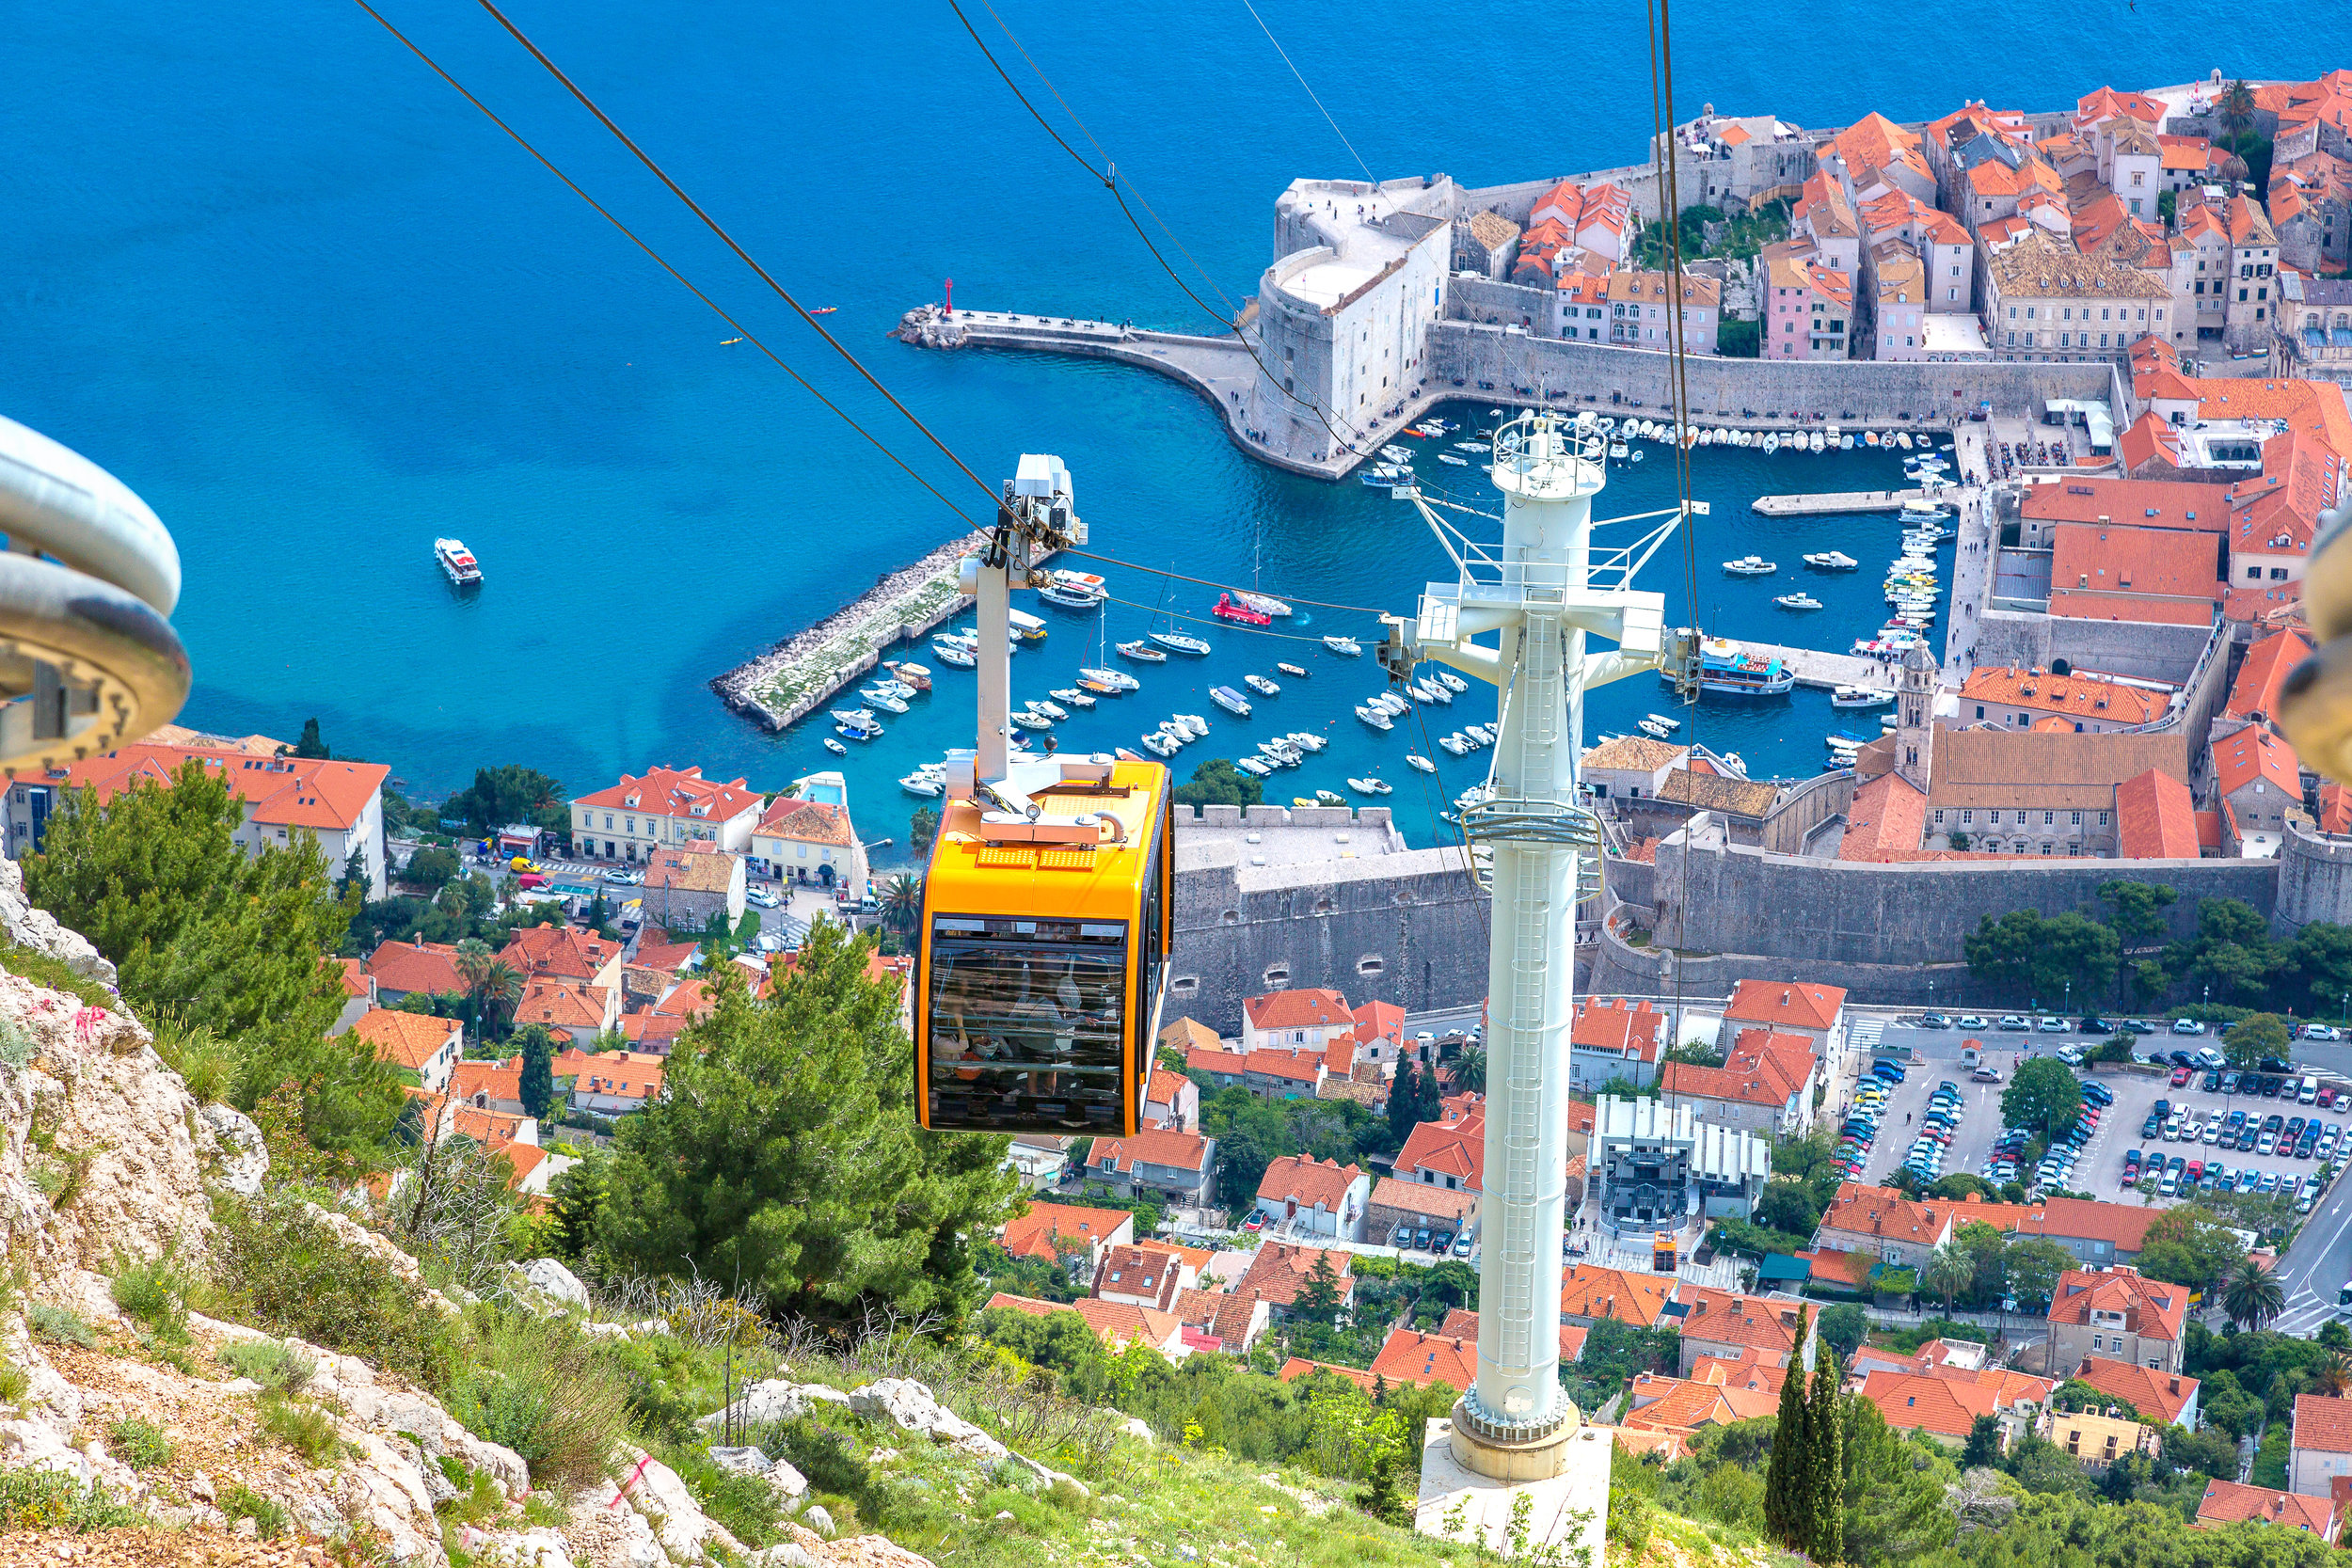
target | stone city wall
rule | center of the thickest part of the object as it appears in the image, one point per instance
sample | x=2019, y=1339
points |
x=2314, y=879
x=2141, y=649
x=1739, y=899
x=1729, y=388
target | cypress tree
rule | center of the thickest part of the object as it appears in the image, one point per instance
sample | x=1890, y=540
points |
x=1787, y=1479
x=1826, y=1424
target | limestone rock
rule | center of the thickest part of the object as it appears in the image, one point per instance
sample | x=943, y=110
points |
x=552, y=1279
x=1136, y=1426
x=238, y=1159
x=903, y=1402
x=817, y=1518
x=38, y=929
x=742, y=1462
x=774, y=1399
x=521, y=1548
x=667, y=1505
x=402, y=1267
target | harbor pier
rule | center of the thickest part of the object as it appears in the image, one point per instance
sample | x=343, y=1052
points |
x=1835, y=502
x=1824, y=672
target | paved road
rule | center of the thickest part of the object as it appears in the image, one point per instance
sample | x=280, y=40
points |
x=2318, y=1263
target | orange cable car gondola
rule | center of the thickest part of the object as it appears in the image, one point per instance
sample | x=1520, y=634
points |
x=1047, y=909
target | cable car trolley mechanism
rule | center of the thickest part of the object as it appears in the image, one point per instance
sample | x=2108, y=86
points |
x=1046, y=910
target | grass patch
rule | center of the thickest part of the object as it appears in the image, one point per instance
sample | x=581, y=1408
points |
x=47, y=1500
x=480, y=1499
x=280, y=1270
x=59, y=1325
x=269, y=1517
x=42, y=970
x=140, y=1443
x=274, y=1366
x=155, y=1295
x=543, y=1389
x=746, y=1505
x=304, y=1428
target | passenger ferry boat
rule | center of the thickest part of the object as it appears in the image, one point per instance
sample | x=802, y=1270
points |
x=1225, y=609
x=1728, y=670
x=458, y=562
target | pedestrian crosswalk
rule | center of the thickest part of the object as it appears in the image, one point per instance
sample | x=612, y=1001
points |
x=1864, y=1035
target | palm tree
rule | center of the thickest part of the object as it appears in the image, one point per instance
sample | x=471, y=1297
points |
x=1470, y=1069
x=496, y=985
x=1948, y=1273
x=2332, y=1376
x=474, y=957
x=2238, y=107
x=902, y=902
x=2251, y=1296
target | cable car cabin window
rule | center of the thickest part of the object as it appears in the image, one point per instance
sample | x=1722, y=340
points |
x=1027, y=1024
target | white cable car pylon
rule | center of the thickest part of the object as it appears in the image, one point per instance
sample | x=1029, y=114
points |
x=1545, y=590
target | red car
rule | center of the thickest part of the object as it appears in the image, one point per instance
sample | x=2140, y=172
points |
x=2180, y=1076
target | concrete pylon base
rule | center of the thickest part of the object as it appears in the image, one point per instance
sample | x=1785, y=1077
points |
x=1564, y=1479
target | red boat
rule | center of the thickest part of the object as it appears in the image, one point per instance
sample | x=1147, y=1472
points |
x=1227, y=610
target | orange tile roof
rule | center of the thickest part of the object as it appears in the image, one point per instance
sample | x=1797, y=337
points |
x=1588, y=1291
x=1748, y=1371
x=492, y=1130
x=2155, y=818
x=1911, y=1401
x=2335, y=808
x=681, y=794
x=2227, y=1502
x=1420, y=1198
x=1281, y=1269
x=1884, y=821
x=2144, y=1388
x=1457, y=1150
x=1618, y=1025
x=2110, y=701
x=561, y=1005
x=807, y=822
x=1417, y=1360
x=1298, y=1010
x=1232, y=1063
x=1764, y=1324
x=1785, y=1004
x=1298, y=1367
x=669, y=956
x=2323, y=1425
x=405, y=1039
x=1218, y=1312
x=1716, y=1083
x=499, y=1080
x=558, y=951
x=2151, y=1309
x=621, y=1074
x=354, y=976
x=430, y=967
x=1302, y=1068
x=2145, y=440
x=1166, y=1086
x=2119, y=558
x=1034, y=1234
x=1850, y=1269
x=1135, y=1270
x=1310, y=1183
x=277, y=792
x=2266, y=667
x=697, y=867
x=2253, y=752
x=1157, y=1146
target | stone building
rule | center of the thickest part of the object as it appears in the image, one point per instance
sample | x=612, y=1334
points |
x=2047, y=301
x=2116, y=1312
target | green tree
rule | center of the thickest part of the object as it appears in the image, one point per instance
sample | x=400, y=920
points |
x=1949, y=1271
x=2191, y=1245
x=1695, y=1052
x=220, y=940
x=2043, y=1096
x=310, y=745
x=1843, y=1328
x=1787, y=1477
x=2236, y=107
x=784, y=1152
x=2255, y=1036
x=2207, y=1452
x=538, y=1051
x=2137, y=911
x=1219, y=783
x=1983, y=1447
x=2323, y=959
x=431, y=869
x=2074, y=955
x=2031, y=1266
x=2232, y=950
x=1825, y=1539
x=510, y=794
x=1470, y=1070
x=902, y=902
x=2251, y=1295
x=1788, y=1207
x=922, y=827
x=2000, y=951
x=1318, y=1300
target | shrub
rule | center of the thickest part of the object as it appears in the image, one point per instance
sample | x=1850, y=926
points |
x=59, y=1325
x=829, y=1459
x=155, y=1295
x=56, y=974
x=282, y=1271
x=50, y=1499
x=480, y=1497
x=543, y=1389
x=746, y=1505
x=269, y=1517
x=274, y=1366
x=139, y=1444
x=304, y=1428
x=13, y=1383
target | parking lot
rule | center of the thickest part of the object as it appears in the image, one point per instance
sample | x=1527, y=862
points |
x=2099, y=1168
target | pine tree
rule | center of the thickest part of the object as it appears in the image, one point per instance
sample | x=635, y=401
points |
x=1787, y=1509
x=1827, y=1471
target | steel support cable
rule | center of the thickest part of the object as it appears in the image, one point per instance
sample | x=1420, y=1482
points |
x=1088, y=132
x=729, y=240
x=1311, y=92
x=658, y=259
x=1108, y=179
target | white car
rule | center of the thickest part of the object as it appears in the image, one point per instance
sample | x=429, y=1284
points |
x=2321, y=1032
x=762, y=897
x=2070, y=1056
x=2187, y=1027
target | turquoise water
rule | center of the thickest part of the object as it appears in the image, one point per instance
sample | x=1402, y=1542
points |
x=317, y=311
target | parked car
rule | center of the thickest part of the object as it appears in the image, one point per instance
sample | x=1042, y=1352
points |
x=2321, y=1032
x=620, y=878
x=1985, y=1075
x=2180, y=1076
x=1461, y=1246
x=2070, y=1055
x=2055, y=1026
x=2187, y=1027
x=2211, y=1083
x=1973, y=1021
x=2096, y=1026
x=763, y=897
x=1934, y=1020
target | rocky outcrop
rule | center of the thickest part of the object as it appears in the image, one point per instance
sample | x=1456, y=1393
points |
x=773, y=1399
x=38, y=929
x=929, y=327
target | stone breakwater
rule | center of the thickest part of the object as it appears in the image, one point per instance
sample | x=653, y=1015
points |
x=781, y=685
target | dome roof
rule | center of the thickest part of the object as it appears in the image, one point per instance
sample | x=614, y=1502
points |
x=1917, y=658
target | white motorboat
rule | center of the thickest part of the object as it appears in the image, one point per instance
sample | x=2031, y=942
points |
x=835, y=746
x=457, y=562
x=1652, y=727
x=1230, y=700
x=1454, y=745
x=1296, y=672
x=1029, y=718
x=1329, y=797
x=1192, y=724
x=1902, y=439
x=870, y=730
x=1482, y=734
x=1385, y=476
x=1751, y=566
x=1377, y=718
x=954, y=655
x=1472, y=446
x=1261, y=686
x=1347, y=647
x=1797, y=601
x=1414, y=760
x=1142, y=652
x=1159, y=745
x=1399, y=455
x=1177, y=642
x=1456, y=462
x=1817, y=442
x=1772, y=441
x=883, y=700
x=1619, y=450
x=1265, y=604
x=1672, y=723
x=1394, y=703
x=1252, y=767
x=1052, y=710
x=1073, y=697
x=1448, y=679
x=1832, y=560
x=922, y=784
x=1371, y=786
x=1306, y=741
x=1430, y=692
